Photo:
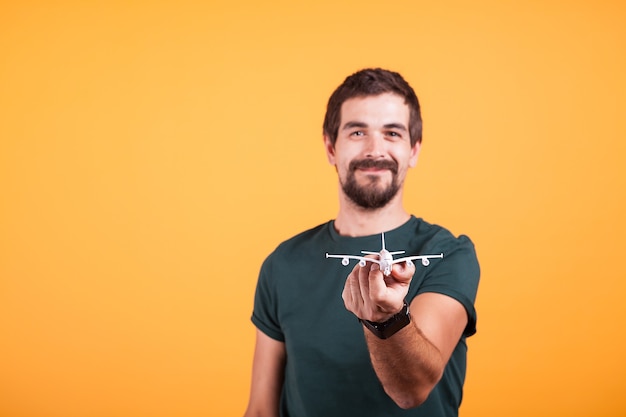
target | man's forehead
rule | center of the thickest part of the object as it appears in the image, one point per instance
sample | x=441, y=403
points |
x=386, y=108
x=349, y=124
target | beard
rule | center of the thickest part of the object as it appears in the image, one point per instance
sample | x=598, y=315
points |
x=371, y=196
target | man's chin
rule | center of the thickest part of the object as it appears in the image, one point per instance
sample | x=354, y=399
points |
x=377, y=180
x=370, y=198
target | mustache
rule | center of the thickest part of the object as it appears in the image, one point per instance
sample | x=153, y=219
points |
x=372, y=163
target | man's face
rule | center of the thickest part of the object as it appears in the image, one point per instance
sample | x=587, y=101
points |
x=373, y=149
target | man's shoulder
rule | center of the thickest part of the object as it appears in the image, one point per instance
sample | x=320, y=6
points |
x=421, y=227
x=437, y=235
x=305, y=240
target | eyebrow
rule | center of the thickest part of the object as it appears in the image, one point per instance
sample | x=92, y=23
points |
x=398, y=126
x=351, y=125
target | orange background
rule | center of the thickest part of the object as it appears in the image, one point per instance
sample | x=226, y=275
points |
x=153, y=153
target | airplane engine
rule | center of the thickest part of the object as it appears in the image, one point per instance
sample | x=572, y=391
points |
x=345, y=261
x=362, y=263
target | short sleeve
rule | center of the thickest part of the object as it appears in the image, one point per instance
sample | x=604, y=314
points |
x=265, y=313
x=457, y=276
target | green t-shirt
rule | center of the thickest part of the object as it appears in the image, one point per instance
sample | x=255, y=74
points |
x=328, y=370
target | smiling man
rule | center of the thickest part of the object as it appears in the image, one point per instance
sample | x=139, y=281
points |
x=365, y=344
x=371, y=149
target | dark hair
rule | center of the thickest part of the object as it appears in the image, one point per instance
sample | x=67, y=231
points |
x=372, y=82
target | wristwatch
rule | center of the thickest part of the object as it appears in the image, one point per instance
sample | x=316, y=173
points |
x=386, y=329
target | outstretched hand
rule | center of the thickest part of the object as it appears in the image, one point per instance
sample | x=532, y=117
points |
x=372, y=296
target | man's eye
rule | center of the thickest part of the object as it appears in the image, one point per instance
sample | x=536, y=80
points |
x=357, y=133
x=393, y=134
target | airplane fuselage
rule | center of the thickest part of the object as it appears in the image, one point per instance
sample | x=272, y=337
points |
x=386, y=261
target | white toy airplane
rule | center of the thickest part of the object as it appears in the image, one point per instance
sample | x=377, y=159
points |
x=385, y=258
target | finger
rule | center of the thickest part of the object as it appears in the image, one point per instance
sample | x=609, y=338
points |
x=346, y=294
x=364, y=283
x=404, y=271
x=377, y=288
x=350, y=297
x=355, y=289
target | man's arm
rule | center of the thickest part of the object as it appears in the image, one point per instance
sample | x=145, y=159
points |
x=411, y=362
x=268, y=369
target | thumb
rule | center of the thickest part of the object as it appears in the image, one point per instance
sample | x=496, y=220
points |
x=403, y=271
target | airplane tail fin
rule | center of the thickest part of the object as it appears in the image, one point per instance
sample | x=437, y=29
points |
x=392, y=253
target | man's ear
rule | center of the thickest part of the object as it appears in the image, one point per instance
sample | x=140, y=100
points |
x=415, y=151
x=330, y=150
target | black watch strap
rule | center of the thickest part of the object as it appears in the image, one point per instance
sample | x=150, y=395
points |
x=386, y=329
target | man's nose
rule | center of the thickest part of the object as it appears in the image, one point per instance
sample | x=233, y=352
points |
x=375, y=146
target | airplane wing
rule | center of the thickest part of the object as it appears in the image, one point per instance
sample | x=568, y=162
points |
x=399, y=252
x=345, y=259
x=424, y=258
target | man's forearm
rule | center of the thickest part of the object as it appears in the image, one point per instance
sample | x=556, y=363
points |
x=407, y=364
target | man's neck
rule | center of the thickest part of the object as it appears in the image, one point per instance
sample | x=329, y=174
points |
x=353, y=220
